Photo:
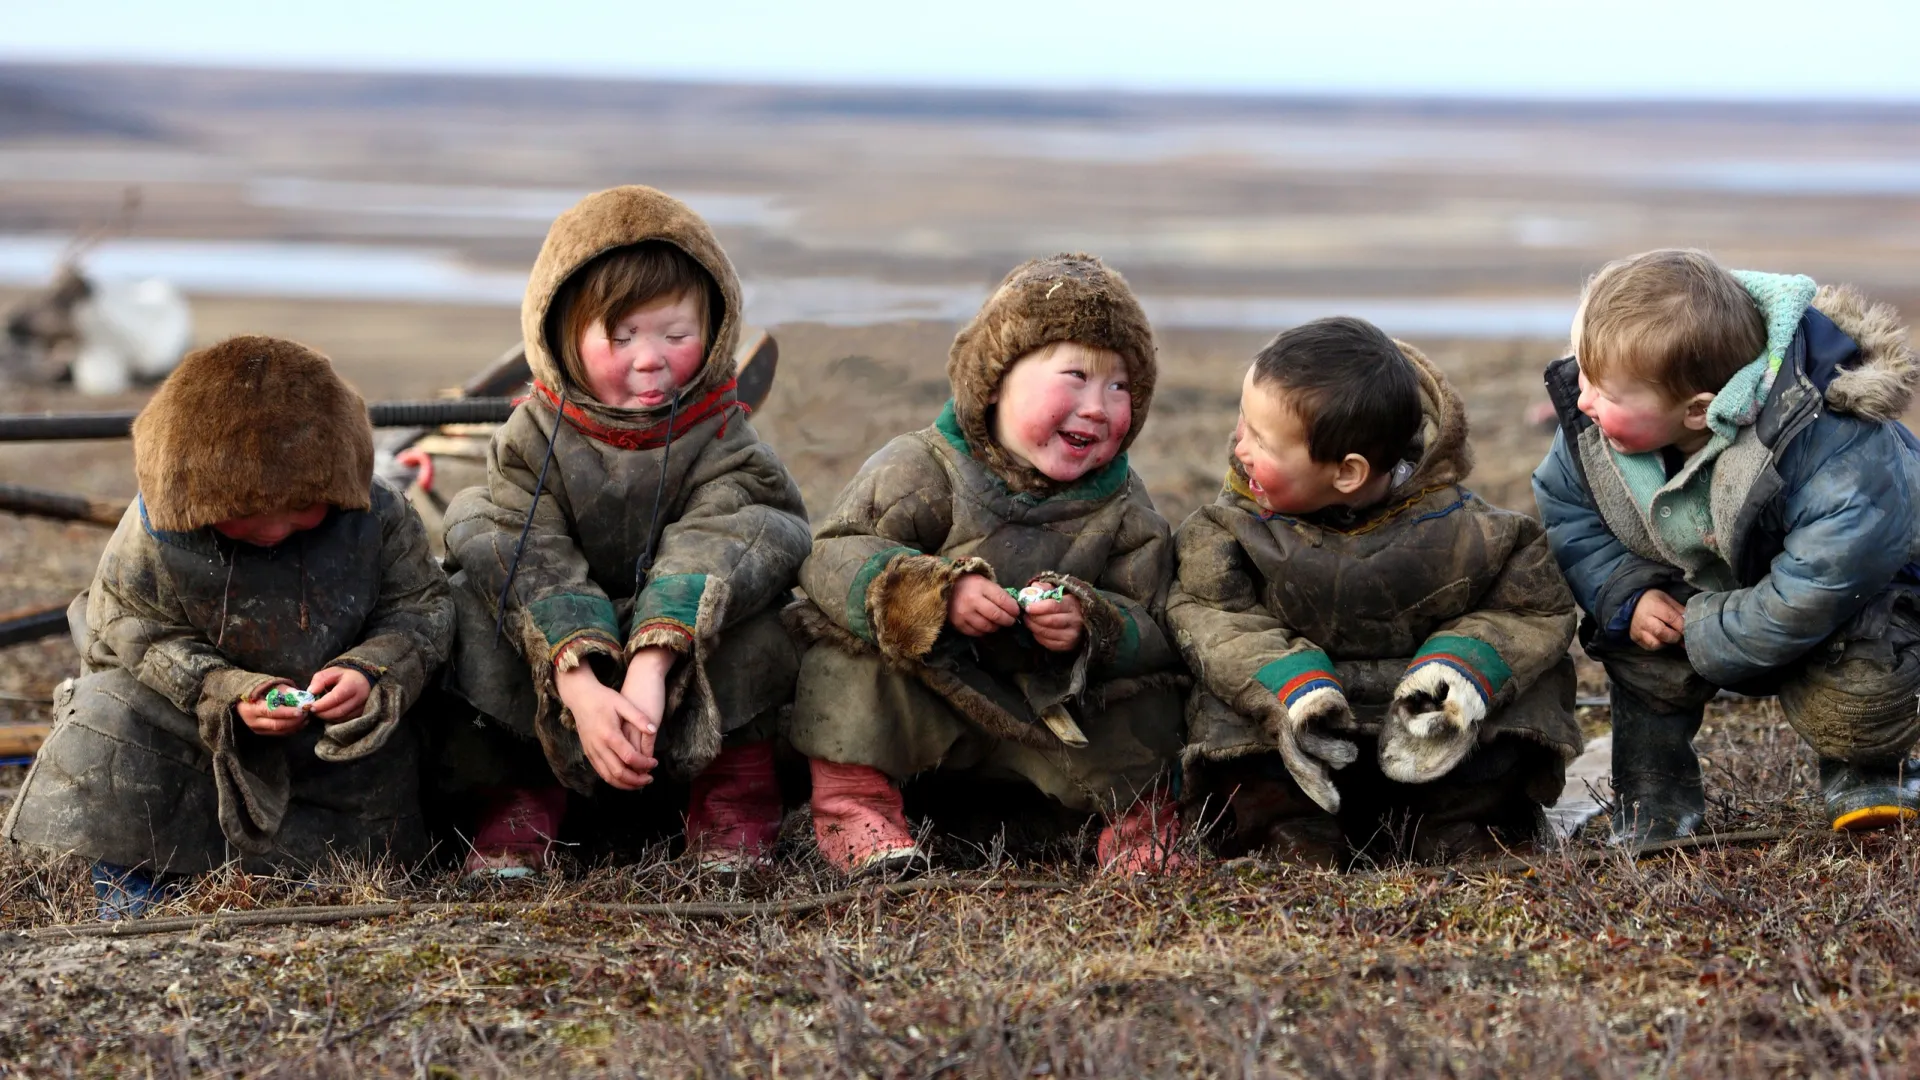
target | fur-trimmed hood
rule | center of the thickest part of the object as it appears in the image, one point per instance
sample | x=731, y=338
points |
x=1880, y=385
x=250, y=426
x=615, y=218
x=1059, y=298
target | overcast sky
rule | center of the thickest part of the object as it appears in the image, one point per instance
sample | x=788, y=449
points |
x=1600, y=48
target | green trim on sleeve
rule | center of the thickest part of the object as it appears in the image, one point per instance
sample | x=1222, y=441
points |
x=671, y=598
x=875, y=565
x=1472, y=656
x=567, y=615
x=1126, y=652
x=1298, y=674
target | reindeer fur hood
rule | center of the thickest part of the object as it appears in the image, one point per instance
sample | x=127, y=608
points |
x=1043, y=302
x=616, y=218
x=250, y=426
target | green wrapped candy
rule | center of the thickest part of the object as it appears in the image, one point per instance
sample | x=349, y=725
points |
x=1033, y=594
x=284, y=697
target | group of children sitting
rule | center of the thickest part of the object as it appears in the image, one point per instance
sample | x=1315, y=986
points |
x=1348, y=653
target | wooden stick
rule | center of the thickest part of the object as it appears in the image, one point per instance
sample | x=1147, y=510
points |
x=293, y=916
x=59, y=505
x=22, y=740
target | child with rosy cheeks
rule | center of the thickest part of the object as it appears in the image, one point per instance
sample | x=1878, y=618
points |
x=1065, y=411
x=985, y=598
x=1736, y=503
x=1380, y=656
x=619, y=578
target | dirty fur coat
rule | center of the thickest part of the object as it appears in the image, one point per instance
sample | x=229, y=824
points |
x=1813, y=512
x=1267, y=608
x=727, y=540
x=148, y=763
x=947, y=500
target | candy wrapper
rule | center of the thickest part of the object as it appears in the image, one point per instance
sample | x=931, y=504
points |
x=281, y=697
x=1033, y=594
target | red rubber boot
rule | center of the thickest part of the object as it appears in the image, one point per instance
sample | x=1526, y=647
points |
x=860, y=822
x=1142, y=840
x=517, y=830
x=733, y=816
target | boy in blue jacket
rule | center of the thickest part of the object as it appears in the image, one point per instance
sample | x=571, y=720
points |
x=1735, y=504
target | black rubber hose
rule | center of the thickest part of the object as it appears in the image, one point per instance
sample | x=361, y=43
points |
x=20, y=627
x=47, y=427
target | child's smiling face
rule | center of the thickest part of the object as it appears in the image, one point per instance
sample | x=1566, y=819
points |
x=1636, y=417
x=1270, y=442
x=1064, y=409
x=652, y=352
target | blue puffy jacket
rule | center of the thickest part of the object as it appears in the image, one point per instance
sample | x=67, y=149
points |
x=1829, y=522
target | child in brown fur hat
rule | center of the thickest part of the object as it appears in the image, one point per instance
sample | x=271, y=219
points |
x=924, y=659
x=619, y=577
x=261, y=555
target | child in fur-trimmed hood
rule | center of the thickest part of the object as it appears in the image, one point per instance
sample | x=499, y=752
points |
x=922, y=659
x=1381, y=656
x=1736, y=504
x=619, y=578
x=261, y=553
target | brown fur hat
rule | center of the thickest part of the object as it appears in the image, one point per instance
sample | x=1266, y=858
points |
x=1043, y=302
x=615, y=218
x=250, y=426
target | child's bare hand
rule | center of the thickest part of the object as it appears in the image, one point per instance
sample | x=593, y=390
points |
x=261, y=720
x=646, y=687
x=977, y=607
x=1658, y=621
x=1056, y=624
x=610, y=729
x=339, y=694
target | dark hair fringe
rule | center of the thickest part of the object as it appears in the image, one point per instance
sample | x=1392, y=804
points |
x=1353, y=389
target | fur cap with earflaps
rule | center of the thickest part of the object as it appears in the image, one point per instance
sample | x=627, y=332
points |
x=1059, y=298
x=250, y=426
x=602, y=222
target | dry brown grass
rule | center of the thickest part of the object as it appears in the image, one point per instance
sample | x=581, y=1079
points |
x=1791, y=958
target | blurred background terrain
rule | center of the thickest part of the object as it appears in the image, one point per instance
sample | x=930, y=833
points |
x=389, y=220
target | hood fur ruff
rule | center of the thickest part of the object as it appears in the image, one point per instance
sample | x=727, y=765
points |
x=1043, y=302
x=615, y=218
x=249, y=426
x=1445, y=457
x=1880, y=386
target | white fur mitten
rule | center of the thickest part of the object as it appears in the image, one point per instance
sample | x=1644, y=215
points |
x=1432, y=725
x=1309, y=748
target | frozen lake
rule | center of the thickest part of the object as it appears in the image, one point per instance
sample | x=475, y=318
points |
x=435, y=275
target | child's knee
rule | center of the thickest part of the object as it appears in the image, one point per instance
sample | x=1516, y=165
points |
x=1856, y=710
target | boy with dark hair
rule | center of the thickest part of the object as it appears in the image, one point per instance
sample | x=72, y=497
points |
x=1732, y=498
x=1345, y=594
x=262, y=556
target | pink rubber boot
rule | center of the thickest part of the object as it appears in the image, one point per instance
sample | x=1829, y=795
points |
x=733, y=816
x=517, y=830
x=1142, y=841
x=860, y=822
